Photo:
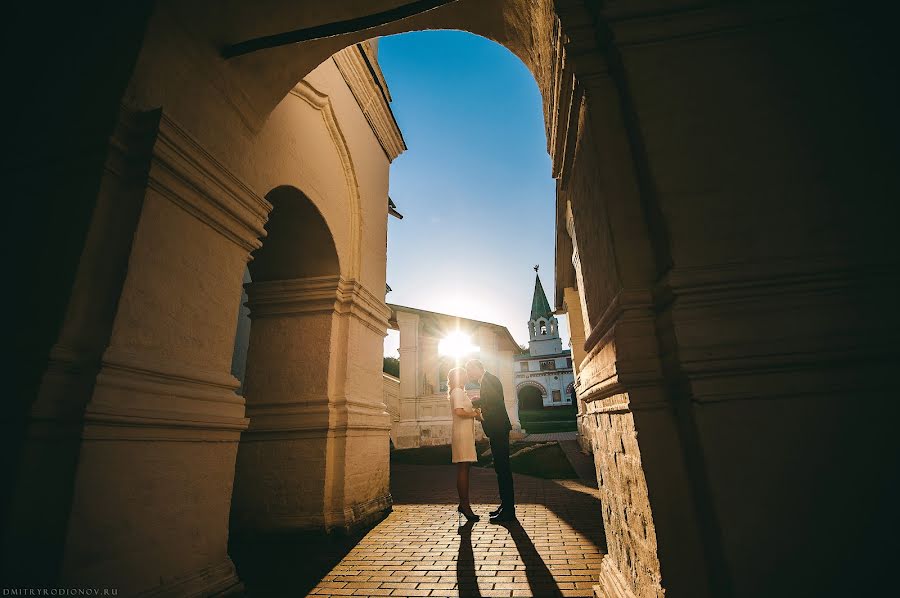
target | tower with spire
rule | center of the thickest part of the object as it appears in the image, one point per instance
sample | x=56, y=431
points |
x=543, y=328
x=543, y=374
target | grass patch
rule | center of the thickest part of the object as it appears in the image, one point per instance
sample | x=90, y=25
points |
x=549, y=427
x=545, y=460
x=549, y=414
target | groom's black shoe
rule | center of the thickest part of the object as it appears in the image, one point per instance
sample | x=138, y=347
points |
x=496, y=511
x=504, y=516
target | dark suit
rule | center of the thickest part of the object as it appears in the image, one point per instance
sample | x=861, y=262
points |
x=496, y=426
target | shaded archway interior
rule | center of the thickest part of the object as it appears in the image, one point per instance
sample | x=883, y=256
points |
x=298, y=243
x=531, y=398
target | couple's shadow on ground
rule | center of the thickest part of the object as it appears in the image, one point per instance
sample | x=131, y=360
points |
x=540, y=580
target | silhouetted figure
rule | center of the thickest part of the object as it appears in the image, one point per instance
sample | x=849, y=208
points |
x=463, y=437
x=496, y=426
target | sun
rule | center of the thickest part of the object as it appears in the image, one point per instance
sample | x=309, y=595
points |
x=456, y=344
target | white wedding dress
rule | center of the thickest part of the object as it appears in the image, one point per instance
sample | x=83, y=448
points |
x=463, y=434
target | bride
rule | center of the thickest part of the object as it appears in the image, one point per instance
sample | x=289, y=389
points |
x=463, y=436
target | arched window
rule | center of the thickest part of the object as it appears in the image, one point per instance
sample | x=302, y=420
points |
x=543, y=327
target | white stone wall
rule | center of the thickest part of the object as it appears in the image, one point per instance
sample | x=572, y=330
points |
x=549, y=380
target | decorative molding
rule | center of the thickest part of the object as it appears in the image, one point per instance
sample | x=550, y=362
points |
x=750, y=281
x=191, y=178
x=358, y=66
x=278, y=298
x=138, y=391
x=322, y=103
x=640, y=23
x=318, y=294
x=579, y=61
x=131, y=144
x=537, y=385
x=626, y=303
x=357, y=301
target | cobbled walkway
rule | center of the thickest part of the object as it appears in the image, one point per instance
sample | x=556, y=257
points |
x=420, y=550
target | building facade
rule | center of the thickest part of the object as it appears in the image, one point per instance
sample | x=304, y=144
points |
x=546, y=368
x=417, y=402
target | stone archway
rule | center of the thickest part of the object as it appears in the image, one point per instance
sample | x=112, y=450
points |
x=288, y=464
x=531, y=395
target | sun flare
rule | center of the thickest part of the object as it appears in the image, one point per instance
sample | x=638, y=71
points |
x=456, y=344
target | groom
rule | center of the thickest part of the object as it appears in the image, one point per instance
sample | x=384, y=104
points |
x=496, y=426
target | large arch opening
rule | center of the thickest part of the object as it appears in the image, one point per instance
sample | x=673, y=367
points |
x=287, y=337
x=531, y=397
x=475, y=180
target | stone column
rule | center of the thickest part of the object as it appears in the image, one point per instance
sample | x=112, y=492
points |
x=650, y=518
x=572, y=301
x=35, y=533
x=314, y=430
x=407, y=429
x=152, y=489
x=429, y=366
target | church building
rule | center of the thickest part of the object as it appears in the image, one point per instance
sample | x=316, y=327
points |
x=543, y=374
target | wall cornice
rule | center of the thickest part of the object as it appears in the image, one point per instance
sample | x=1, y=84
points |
x=318, y=294
x=191, y=178
x=358, y=66
x=321, y=102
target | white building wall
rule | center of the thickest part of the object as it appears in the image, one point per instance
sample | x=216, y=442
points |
x=549, y=380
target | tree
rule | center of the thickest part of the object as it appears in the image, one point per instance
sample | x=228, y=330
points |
x=391, y=366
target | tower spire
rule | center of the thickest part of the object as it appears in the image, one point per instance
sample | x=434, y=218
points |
x=540, y=307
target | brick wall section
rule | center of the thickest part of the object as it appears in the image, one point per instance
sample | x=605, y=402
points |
x=627, y=519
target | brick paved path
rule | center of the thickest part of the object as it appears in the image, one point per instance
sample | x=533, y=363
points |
x=419, y=550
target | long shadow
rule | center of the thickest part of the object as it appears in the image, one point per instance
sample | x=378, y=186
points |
x=269, y=563
x=466, y=579
x=580, y=510
x=540, y=580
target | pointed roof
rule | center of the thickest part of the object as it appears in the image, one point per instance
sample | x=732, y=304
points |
x=540, y=307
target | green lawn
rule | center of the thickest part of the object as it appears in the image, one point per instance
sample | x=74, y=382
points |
x=543, y=421
x=549, y=414
x=548, y=427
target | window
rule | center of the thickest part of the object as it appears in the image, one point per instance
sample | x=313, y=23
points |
x=557, y=396
x=548, y=364
x=569, y=362
x=524, y=366
x=543, y=328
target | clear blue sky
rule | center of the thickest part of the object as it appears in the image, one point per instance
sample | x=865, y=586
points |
x=474, y=186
